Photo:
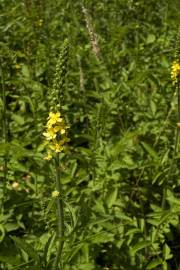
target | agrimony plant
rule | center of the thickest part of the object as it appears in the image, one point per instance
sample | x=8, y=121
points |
x=175, y=76
x=56, y=138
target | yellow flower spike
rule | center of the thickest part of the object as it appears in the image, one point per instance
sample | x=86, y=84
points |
x=175, y=72
x=55, y=194
x=55, y=133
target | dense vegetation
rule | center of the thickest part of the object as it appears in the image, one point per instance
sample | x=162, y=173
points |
x=119, y=173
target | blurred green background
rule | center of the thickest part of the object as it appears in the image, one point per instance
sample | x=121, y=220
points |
x=119, y=173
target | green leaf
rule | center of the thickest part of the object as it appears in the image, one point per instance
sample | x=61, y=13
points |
x=154, y=263
x=173, y=200
x=167, y=252
x=150, y=151
x=133, y=231
x=153, y=107
x=18, y=119
x=11, y=259
x=111, y=198
x=139, y=246
x=150, y=38
x=25, y=71
x=11, y=227
x=2, y=233
x=28, y=248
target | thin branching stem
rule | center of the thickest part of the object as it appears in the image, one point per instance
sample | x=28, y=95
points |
x=60, y=216
x=4, y=120
x=175, y=147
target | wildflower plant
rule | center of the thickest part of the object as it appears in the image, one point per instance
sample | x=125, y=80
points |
x=55, y=140
x=175, y=76
x=175, y=73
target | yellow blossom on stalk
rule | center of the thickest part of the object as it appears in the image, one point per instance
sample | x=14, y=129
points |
x=48, y=157
x=55, y=133
x=57, y=147
x=54, y=118
x=40, y=22
x=55, y=194
x=17, y=66
x=50, y=134
x=175, y=72
x=15, y=185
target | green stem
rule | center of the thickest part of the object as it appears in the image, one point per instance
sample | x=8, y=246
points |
x=60, y=216
x=178, y=94
x=175, y=148
x=4, y=135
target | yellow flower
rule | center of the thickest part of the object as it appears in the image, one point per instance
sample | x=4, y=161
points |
x=55, y=133
x=48, y=157
x=17, y=66
x=57, y=147
x=55, y=194
x=175, y=72
x=15, y=185
x=57, y=128
x=40, y=22
x=50, y=134
x=62, y=131
x=53, y=119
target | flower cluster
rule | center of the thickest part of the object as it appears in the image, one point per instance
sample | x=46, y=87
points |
x=175, y=72
x=55, y=134
x=55, y=194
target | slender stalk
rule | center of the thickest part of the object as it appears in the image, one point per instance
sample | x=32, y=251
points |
x=4, y=114
x=60, y=216
x=178, y=94
x=175, y=147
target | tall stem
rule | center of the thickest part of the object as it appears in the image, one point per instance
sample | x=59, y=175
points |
x=178, y=94
x=60, y=216
x=175, y=146
x=4, y=135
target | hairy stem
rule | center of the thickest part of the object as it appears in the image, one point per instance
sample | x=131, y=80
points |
x=4, y=120
x=60, y=217
x=175, y=147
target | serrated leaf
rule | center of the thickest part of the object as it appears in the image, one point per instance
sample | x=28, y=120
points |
x=167, y=252
x=48, y=247
x=133, y=231
x=25, y=71
x=154, y=263
x=111, y=198
x=150, y=38
x=173, y=200
x=153, y=107
x=2, y=233
x=18, y=119
x=11, y=227
x=150, y=151
x=139, y=246
x=123, y=217
x=11, y=259
x=28, y=248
